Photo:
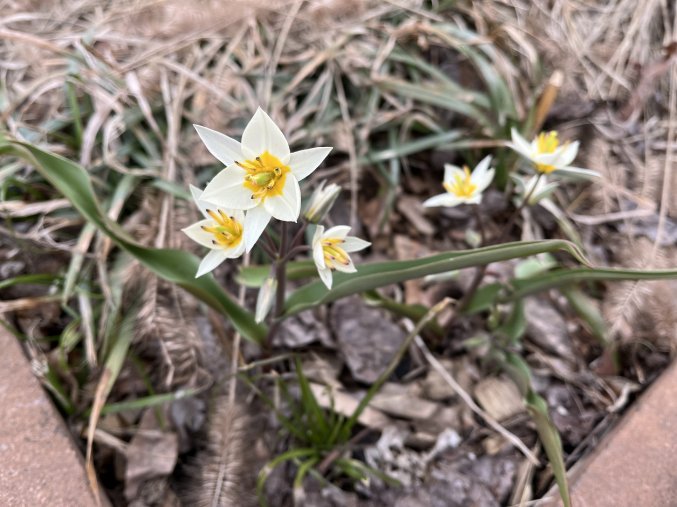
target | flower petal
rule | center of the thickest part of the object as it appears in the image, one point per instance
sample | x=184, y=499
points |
x=578, y=172
x=447, y=200
x=354, y=244
x=197, y=194
x=235, y=252
x=519, y=144
x=337, y=232
x=568, y=154
x=481, y=168
x=485, y=181
x=318, y=252
x=224, y=148
x=304, y=162
x=255, y=222
x=227, y=190
x=451, y=172
x=287, y=205
x=346, y=268
x=325, y=276
x=261, y=135
x=199, y=235
x=211, y=261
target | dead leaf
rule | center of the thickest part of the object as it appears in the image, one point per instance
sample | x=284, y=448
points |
x=151, y=454
x=500, y=397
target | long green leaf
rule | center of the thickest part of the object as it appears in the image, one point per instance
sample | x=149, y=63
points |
x=520, y=373
x=375, y=275
x=175, y=266
x=564, y=277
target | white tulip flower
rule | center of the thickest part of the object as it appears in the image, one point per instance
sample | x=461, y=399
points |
x=463, y=186
x=221, y=231
x=330, y=251
x=545, y=151
x=261, y=175
x=547, y=154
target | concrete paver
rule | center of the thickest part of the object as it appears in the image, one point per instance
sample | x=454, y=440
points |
x=635, y=465
x=39, y=463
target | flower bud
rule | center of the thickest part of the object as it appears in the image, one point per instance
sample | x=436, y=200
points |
x=321, y=202
x=264, y=301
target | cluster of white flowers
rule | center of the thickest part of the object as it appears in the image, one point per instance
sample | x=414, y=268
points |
x=260, y=181
x=261, y=178
x=545, y=154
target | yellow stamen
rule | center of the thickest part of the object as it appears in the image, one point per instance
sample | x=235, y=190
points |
x=462, y=186
x=226, y=230
x=546, y=143
x=333, y=253
x=266, y=175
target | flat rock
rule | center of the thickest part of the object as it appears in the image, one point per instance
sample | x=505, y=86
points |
x=40, y=464
x=366, y=336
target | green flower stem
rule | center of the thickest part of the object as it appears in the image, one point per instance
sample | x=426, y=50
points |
x=481, y=270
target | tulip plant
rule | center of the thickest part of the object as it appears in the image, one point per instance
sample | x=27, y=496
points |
x=261, y=180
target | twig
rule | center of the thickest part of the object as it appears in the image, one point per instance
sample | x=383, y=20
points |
x=510, y=437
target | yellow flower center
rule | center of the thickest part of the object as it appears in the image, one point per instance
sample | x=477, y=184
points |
x=546, y=143
x=462, y=186
x=333, y=253
x=266, y=175
x=226, y=230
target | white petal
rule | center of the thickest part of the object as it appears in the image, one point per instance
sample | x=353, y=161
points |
x=235, y=252
x=568, y=154
x=261, y=134
x=325, y=276
x=485, y=180
x=447, y=199
x=354, y=244
x=287, y=205
x=345, y=268
x=202, y=206
x=318, y=252
x=224, y=148
x=211, y=261
x=519, y=144
x=337, y=232
x=304, y=162
x=475, y=199
x=197, y=234
x=451, y=172
x=578, y=172
x=255, y=223
x=480, y=170
x=227, y=190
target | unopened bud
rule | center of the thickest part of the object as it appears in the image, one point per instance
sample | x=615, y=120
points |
x=321, y=202
x=264, y=301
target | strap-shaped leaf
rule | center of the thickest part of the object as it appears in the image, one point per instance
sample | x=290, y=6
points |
x=379, y=274
x=175, y=266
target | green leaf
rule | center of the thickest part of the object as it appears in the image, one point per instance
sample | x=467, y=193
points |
x=436, y=95
x=380, y=274
x=587, y=310
x=174, y=266
x=519, y=371
x=254, y=276
x=566, y=277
